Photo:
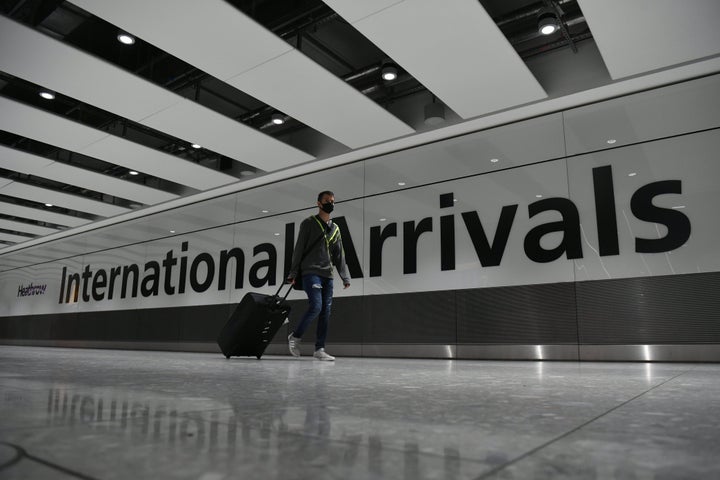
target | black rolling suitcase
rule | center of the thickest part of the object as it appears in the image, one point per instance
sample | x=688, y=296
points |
x=253, y=324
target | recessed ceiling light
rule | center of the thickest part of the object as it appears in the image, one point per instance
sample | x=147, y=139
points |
x=677, y=207
x=47, y=95
x=126, y=38
x=632, y=174
x=538, y=196
x=389, y=72
x=276, y=234
x=402, y=184
x=48, y=204
x=383, y=219
x=548, y=28
x=265, y=211
x=455, y=200
x=195, y=145
x=133, y=172
x=494, y=160
x=278, y=118
x=611, y=141
x=548, y=22
x=172, y=231
x=247, y=173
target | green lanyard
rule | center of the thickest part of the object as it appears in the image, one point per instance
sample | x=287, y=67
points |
x=336, y=231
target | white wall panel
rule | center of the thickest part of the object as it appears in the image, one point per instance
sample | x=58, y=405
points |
x=692, y=159
x=54, y=251
x=106, y=261
x=681, y=108
x=117, y=235
x=301, y=193
x=194, y=217
x=542, y=139
x=46, y=274
x=486, y=195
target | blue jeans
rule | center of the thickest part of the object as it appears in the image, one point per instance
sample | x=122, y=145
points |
x=320, y=293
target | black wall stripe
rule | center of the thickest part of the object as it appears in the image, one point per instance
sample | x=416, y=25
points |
x=678, y=309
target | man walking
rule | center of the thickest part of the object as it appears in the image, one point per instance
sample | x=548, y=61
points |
x=319, y=245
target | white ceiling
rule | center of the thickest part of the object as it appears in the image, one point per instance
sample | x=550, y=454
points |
x=644, y=35
x=453, y=48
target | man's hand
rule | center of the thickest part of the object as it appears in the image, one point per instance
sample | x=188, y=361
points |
x=290, y=280
x=346, y=285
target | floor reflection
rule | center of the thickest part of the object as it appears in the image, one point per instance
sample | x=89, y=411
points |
x=143, y=415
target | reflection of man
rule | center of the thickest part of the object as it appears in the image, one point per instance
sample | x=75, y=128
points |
x=320, y=247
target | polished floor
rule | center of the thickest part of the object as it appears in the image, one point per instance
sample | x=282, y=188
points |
x=105, y=414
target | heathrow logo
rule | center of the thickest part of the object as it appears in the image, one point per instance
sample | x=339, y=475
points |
x=30, y=290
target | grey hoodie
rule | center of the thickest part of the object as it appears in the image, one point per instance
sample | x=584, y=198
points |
x=326, y=250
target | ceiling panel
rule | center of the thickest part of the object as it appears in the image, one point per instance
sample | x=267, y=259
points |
x=643, y=35
x=9, y=237
x=65, y=200
x=307, y=91
x=194, y=29
x=26, y=227
x=38, y=58
x=281, y=77
x=132, y=155
x=220, y=135
x=18, y=161
x=105, y=184
x=455, y=49
x=354, y=11
x=28, y=163
x=39, y=125
x=38, y=214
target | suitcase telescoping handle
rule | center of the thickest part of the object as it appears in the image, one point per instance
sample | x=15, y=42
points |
x=290, y=286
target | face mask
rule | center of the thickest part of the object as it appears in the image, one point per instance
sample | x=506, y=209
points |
x=327, y=207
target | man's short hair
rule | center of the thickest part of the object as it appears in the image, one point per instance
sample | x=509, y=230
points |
x=322, y=194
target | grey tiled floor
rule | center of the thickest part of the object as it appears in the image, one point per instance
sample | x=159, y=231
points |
x=103, y=414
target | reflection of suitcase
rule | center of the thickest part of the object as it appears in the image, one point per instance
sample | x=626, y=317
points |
x=253, y=324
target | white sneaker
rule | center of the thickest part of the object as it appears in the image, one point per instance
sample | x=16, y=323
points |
x=321, y=355
x=294, y=345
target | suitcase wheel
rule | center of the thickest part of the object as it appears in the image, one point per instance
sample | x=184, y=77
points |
x=258, y=356
x=227, y=356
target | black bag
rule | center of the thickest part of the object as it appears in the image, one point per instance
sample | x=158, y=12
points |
x=253, y=324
